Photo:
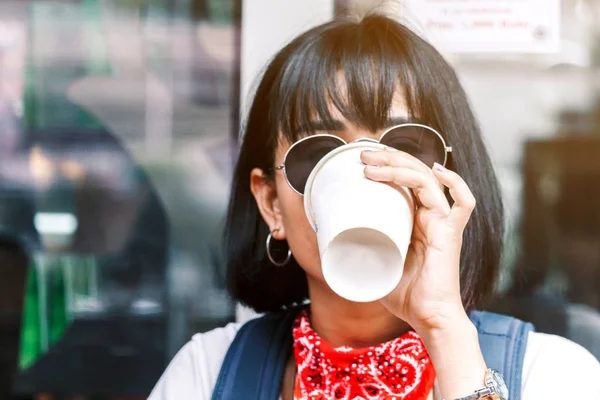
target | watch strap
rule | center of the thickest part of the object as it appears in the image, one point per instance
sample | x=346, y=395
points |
x=484, y=393
x=471, y=397
x=487, y=392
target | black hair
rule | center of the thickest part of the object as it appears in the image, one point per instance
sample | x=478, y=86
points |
x=376, y=56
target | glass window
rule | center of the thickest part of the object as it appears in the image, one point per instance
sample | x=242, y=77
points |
x=118, y=122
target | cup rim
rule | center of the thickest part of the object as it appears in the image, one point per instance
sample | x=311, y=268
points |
x=309, y=182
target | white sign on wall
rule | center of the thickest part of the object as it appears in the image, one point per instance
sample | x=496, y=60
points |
x=490, y=26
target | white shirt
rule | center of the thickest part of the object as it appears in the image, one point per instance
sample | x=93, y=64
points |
x=554, y=368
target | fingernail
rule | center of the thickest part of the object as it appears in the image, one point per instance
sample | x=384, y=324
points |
x=367, y=151
x=439, y=167
x=372, y=166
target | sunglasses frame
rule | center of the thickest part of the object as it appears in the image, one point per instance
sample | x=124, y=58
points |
x=281, y=167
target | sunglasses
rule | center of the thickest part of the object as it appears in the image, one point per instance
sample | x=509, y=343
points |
x=420, y=141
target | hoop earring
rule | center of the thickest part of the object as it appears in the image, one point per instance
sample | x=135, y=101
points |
x=277, y=264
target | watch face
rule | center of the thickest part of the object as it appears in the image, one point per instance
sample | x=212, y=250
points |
x=501, y=388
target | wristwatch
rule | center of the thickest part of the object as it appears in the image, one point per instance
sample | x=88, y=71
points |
x=495, y=388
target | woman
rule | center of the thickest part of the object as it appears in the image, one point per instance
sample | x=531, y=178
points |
x=355, y=80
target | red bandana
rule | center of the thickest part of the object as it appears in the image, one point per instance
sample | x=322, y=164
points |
x=398, y=369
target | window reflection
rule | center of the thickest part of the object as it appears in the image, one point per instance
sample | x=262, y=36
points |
x=115, y=156
x=557, y=277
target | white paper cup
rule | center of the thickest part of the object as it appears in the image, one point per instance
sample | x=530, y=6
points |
x=363, y=227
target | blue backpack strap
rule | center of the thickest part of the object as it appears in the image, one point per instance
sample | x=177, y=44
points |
x=503, y=341
x=255, y=362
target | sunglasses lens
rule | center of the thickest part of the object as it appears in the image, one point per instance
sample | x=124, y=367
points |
x=304, y=156
x=419, y=141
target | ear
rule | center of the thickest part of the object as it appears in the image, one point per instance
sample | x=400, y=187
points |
x=265, y=193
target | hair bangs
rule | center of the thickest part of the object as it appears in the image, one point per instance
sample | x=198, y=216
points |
x=346, y=69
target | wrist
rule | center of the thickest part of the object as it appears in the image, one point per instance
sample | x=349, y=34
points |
x=455, y=353
x=452, y=342
x=451, y=320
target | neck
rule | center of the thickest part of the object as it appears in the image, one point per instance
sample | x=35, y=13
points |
x=344, y=323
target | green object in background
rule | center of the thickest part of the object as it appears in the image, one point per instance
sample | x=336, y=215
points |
x=45, y=317
x=30, y=344
x=59, y=319
x=65, y=44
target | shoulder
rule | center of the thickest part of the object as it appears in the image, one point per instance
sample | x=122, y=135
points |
x=194, y=370
x=557, y=368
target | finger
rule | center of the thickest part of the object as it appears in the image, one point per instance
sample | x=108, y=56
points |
x=393, y=158
x=424, y=185
x=464, y=201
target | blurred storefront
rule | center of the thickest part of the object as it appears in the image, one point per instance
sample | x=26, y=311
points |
x=118, y=124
